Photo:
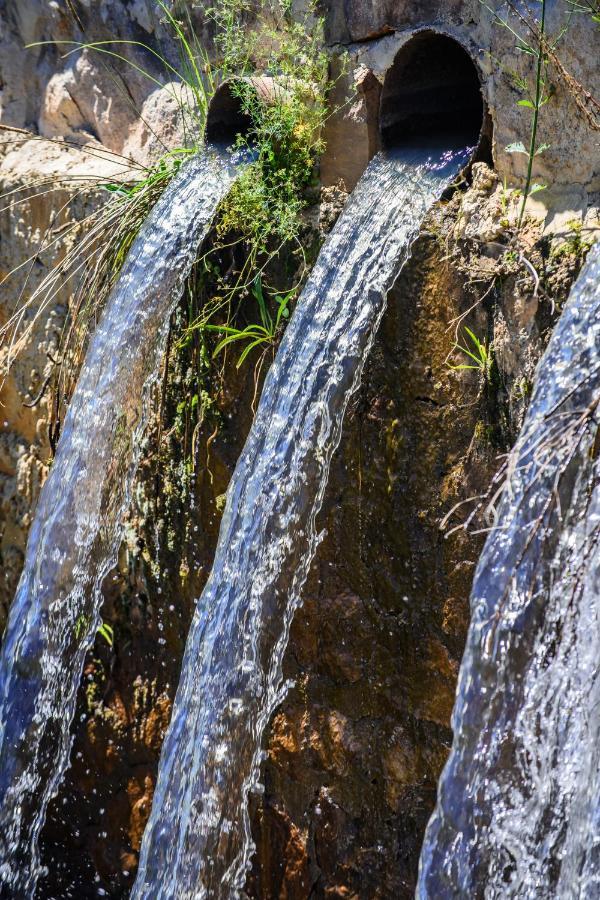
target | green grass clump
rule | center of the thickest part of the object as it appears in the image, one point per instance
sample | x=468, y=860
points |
x=479, y=353
x=286, y=130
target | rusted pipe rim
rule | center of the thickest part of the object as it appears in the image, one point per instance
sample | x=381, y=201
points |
x=433, y=87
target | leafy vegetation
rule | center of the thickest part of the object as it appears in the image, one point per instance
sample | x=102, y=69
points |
x=261, y=220
x=575, y=243
x=255, y=334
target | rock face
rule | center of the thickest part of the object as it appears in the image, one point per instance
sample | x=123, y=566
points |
x=354, y=752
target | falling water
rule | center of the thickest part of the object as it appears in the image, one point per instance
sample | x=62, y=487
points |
x=518, y=812
x=198, y=840
x=77, y=528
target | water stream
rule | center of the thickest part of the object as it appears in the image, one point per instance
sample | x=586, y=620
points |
x=77, y=528
x=198, y=841
x=518, y=810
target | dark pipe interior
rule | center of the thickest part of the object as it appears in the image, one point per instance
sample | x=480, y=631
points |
x=432, y=88
x=225, y=118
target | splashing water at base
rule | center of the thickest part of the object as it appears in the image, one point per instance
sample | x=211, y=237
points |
x=518, y=811
x=198, y=842
x=77, y=527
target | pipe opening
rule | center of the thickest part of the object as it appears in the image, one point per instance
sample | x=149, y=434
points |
x=432, y=89
x=226, y=118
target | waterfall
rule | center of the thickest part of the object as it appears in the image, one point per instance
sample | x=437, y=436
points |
x=76, y=532
x=198, y=841
x=518, y=811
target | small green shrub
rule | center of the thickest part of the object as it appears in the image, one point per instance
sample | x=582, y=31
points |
x=256, y=265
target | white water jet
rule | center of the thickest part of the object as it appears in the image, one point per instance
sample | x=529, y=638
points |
x=77, y=528
x=518, y=813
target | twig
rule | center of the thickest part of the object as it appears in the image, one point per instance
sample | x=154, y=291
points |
x=532, y=271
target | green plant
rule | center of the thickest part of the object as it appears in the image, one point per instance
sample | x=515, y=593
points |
x=257, y=261
x=481, y=354
x=108, y=233
x=106, y=631
x=534, y=42
x=255, y=334
x=591, y=8
x=95, y=248
x=533, y=100
x=575, y=243
x=195, y=72
x=521, y=389
x=263, y=211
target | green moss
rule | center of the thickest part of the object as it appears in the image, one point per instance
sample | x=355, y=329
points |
x=484, y=433
x=575, y=243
